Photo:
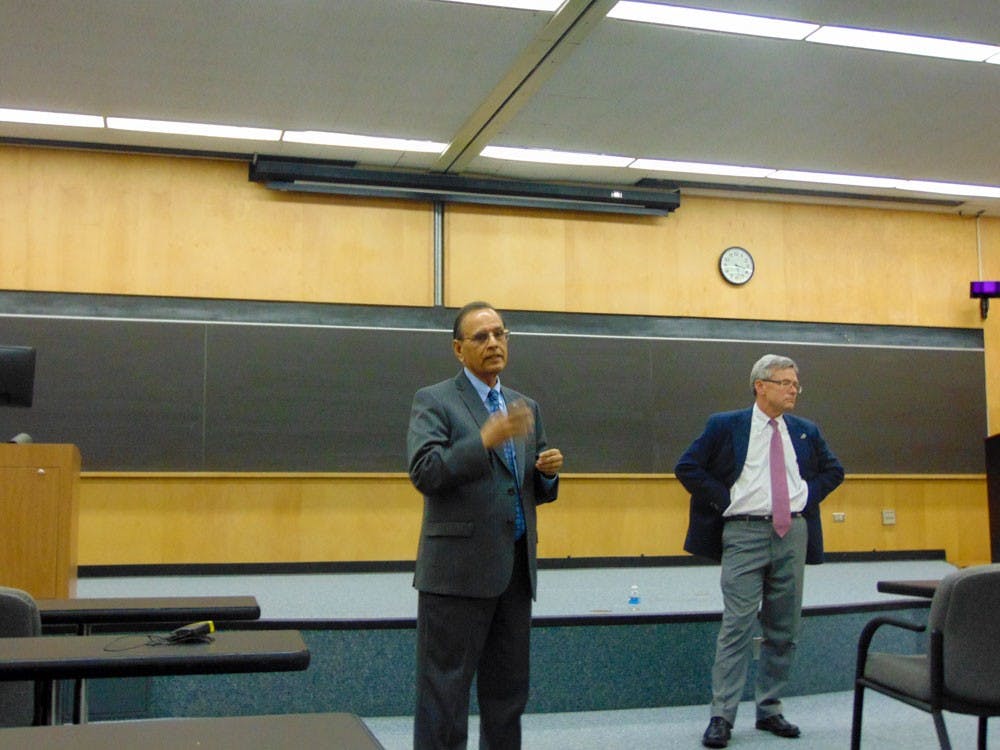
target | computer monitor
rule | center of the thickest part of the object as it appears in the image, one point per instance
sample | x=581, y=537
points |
x=17, y=375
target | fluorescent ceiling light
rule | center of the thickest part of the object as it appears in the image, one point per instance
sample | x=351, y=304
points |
x=693, y=167
x=711, y=20
x=550, y=5
x=362, y=141
x=835, y=179
x=194, y=128
x=51, y=118
x=995, y=59
x=547, y=156
x=905, y=43
x=951, y=188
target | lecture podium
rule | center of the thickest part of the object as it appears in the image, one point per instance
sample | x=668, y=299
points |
x=39, y=504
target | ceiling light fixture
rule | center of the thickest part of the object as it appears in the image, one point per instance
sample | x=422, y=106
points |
x=711, y=20
x=885, y=41
x=549, y=5
x=32, y=117
x=349, y=140
x=835, y=179
x=778, y=28
x=692, y=167
x=950, y=188
x=548, y=156
x=194, y=128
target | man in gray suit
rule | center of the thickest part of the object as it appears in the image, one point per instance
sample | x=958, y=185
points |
x=756, y=478
x=477, y=452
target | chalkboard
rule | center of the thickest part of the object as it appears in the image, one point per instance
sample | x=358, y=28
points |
x=153, y=384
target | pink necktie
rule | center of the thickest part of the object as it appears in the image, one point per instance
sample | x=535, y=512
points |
x=780, y=511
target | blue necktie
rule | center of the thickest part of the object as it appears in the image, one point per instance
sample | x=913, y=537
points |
x=493, y=400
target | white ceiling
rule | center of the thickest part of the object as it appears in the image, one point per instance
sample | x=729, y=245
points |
x=473, y=76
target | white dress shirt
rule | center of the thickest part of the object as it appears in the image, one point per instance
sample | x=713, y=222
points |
x=751, y=495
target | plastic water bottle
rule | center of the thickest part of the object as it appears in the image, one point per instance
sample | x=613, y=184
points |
x=633, y=597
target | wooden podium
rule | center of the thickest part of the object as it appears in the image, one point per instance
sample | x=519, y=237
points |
x=39, y=502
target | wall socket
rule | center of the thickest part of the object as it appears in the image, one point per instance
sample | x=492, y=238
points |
x=888, y=517
x=839, y=517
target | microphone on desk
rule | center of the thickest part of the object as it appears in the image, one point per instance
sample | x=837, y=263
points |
x=196, y=632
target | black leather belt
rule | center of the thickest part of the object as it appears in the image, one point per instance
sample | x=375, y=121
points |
x=748, y=517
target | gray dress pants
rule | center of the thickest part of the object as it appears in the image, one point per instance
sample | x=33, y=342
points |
x=761, y=572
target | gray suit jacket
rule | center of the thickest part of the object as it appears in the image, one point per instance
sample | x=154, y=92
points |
x=467, y=536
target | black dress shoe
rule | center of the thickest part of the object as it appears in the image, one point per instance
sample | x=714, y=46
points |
x=777, y=725
x=718, y=733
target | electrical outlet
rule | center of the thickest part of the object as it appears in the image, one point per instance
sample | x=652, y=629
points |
x=839, y=517
x=888, y=517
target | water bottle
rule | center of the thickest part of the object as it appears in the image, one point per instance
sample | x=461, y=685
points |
x=633, y=597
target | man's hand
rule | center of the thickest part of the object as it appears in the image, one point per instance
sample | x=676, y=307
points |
x=500, y=427
x=549, y=461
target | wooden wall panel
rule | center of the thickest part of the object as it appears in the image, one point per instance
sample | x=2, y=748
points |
x=814, y=263
x=240, y=518
x=132, y=224
x=192, y=518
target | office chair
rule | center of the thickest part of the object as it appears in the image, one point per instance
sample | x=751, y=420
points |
x=960, y=671
x=18, y=618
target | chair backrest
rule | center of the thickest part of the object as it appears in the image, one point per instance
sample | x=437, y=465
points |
x=18, y=618
x=966, y=610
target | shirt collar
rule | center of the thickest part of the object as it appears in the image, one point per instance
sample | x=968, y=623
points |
x=481, y=388
x=761, y=420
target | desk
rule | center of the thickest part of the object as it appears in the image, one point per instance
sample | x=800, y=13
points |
x=85, y=613
x=924, y=589
x=338, y=731
x=87, y=656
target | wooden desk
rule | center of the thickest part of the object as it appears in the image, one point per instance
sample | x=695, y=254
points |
x=924, y=588
x=51, y=658
x=85, y=613
x=338, y=731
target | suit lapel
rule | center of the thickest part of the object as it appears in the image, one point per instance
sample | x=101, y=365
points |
x=799, y=442
x=741, y=437
x=479, y=412
x=471, y=399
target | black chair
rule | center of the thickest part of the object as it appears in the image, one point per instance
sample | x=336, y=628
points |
x=19, y=701
x=960, y=671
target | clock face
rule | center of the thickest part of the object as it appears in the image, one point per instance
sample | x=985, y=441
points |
x=736, y=265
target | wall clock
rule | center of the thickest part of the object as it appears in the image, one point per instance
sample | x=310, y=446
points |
x=736, y=265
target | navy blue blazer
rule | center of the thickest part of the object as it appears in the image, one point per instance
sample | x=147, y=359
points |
x=711, y=466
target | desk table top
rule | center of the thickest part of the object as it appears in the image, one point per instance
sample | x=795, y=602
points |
x=94, y=656
x=334, y=730
x=153, y=609
x=921, y=588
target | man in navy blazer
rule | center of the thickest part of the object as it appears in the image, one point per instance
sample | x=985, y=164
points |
x=732, y=514
x=476, y=561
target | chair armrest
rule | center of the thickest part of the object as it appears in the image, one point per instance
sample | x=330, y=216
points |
x=868, y=633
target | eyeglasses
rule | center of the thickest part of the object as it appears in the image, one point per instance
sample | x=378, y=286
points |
x=786, y=384
x=502, y=335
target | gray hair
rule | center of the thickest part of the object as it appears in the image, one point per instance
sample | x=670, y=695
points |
x=766, y=365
